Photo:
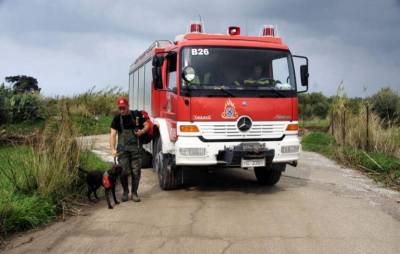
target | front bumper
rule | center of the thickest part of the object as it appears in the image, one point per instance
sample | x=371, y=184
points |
x=214, y=153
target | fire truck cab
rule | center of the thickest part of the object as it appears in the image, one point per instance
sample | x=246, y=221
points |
x=219, y=100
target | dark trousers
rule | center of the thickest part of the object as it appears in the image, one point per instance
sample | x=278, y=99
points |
x=131, y=162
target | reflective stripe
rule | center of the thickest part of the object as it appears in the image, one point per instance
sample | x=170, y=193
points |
x=249, y=81
x=263, y=82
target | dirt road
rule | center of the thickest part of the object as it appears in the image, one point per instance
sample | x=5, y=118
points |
x=317, y=207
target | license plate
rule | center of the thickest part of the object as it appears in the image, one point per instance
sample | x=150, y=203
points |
x=252, y=146
x=253, y=163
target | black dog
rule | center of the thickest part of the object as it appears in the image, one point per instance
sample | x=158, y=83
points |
x=108, y=180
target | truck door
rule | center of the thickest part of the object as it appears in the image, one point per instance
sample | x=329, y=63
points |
x=170, y=106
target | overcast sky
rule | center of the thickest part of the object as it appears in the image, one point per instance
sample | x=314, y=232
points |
x=72, y=45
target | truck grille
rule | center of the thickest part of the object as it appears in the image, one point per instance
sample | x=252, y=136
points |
x=229, y=130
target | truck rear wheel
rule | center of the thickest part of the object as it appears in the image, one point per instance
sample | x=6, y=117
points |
x=169, y=175
x=269, y=175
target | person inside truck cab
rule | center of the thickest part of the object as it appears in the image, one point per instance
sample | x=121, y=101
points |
x=258, y=78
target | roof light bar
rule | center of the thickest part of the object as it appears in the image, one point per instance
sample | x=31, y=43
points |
x=234, y=30
x=268, y=31
x=196, y=27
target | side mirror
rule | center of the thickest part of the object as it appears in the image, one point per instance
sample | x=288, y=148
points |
x=156, y=71
x=188, y=74
x=304, y=75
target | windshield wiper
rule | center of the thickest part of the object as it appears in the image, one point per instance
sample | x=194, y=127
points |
x=280, y=94
x=221, y=88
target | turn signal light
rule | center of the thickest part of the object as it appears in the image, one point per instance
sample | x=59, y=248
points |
x=292, y=127
x=189, y=128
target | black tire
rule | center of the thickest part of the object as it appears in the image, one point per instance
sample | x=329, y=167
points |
x=169, y=175
x=269, y=175
x=146, y=160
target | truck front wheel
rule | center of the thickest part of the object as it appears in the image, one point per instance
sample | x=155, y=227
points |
x=269, y=175
x=169, y=175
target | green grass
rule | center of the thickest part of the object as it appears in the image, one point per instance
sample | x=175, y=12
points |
x=84, y=125
x=21, y=211
x=315, y=124
x=383, y=167
x=92, y=126
x=91, y=161
x=319, y=142
x=23, y=128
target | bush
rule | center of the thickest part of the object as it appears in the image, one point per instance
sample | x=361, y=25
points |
x=25, y=107
x=49, y=165
x=5, y=94
x=350, y=117
x=41, y=179
x=94, y=103
x=386, y=103
x=20, y=107
x=313, y=105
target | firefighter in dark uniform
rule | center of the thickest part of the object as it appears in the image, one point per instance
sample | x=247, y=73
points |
x=129, y=125
x=257, y=79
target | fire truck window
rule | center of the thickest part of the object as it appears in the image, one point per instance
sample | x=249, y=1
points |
x=130, y=89
x=135, y=90
x=238, y=69
x=141, y=88
x=281, y=73
x=171, y=72
x=147, y=92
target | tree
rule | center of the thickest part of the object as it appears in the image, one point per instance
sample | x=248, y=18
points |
x=386, y=104
x=23, y=84
x=313, y=105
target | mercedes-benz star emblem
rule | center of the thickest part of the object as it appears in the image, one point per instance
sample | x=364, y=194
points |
x=244, y=123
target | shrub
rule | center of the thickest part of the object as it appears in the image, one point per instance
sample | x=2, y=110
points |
x=94, y=103
x=25, y=107
x=354, y=127
x=313, y=105
x=49, y=165
x=5, y=94
x=386, y=104
x=20, y=107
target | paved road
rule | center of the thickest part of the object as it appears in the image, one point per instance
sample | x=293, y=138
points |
x=317, y=207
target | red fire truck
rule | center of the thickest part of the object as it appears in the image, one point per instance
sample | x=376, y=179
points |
x=219, y=100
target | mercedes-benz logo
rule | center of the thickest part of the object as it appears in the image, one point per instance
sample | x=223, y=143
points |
x=244, y=123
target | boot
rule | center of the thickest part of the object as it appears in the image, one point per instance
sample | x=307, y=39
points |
x=125, y=187
x=135, y=185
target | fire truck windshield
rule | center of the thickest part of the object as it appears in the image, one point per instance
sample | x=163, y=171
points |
x=238, y=72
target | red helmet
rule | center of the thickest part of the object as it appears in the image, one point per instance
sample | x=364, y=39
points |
x=122, y=102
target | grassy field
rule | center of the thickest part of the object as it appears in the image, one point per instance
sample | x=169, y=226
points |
x=20, y=210
x=381, y=166
x=315, y=124
x=84, y=125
